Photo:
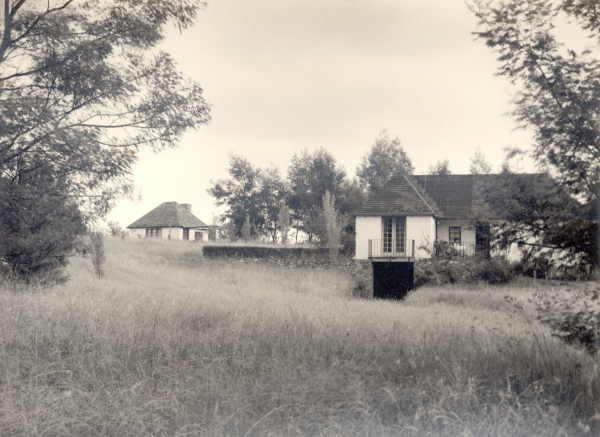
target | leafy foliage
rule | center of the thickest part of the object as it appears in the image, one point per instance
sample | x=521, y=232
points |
x=333, y=225
x=251, y=194
x=246, y=231
x=309, y=177
x=116, y=230
x=440, y=168
x=39, y=226
x=459, y=270
x=386, y=158
x=573, y=317
x=83, y=90
x=283, y=221
x=479, y=165
x=97, y=253
x=538, y=209
x=559, y=92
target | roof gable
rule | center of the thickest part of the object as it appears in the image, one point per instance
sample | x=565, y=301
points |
x=169, y=214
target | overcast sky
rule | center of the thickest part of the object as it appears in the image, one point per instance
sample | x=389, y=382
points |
x=288, y=75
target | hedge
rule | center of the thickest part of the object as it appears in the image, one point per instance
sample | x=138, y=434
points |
x=280, y=255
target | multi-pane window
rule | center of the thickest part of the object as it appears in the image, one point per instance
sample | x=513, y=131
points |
x=153, y=232
x=400, y=224
x=454, y=235
x=388, y=234
x=394, y=234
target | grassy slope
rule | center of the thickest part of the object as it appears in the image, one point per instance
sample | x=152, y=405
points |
x=170, y=344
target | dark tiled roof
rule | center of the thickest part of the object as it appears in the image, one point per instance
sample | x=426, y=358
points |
x=169, y=214
x=452, y=196
x=402, y=195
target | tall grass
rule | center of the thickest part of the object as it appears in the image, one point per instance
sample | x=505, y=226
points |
x=169, y=344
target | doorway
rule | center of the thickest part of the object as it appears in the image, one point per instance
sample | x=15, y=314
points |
x=392, y=280
x=394, y=235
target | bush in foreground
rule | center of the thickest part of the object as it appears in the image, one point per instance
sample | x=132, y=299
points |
x=462, y=270
x=38, y=229
x=573, y=316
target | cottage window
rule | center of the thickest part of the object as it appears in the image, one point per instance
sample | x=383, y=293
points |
x=400, y=234
x=153, y=232
x=454, y=235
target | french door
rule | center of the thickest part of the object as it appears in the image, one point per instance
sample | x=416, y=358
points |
x=394, y=235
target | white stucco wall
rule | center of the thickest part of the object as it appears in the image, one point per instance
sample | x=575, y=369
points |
x=172, y=234
x=204, y=234
x=422, y=230
x=467, y=230
x=367, y=228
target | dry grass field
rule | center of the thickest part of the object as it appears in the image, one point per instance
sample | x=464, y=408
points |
x=169, y=344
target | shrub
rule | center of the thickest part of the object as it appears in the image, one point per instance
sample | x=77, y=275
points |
x=116, y=230
x=467, y=270
x=279, y=255
x=573, y=317
x=534, y=263
x=362, y=279
x=39, y=226
x=333, y=225
x=97, y=252
x=443, y=249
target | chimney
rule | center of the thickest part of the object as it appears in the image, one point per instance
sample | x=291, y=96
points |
x=187, y=207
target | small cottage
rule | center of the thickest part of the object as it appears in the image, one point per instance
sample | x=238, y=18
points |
x=414, y=215
x=171, y=221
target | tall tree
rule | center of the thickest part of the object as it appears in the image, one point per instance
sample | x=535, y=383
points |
x=83, y=89
x=558, y=87
x=440, y=168
x=272, y=191
x=252, y=193
x=309, y=177
x=39, y=223
x=238, y=194
x=385, y=159
x=535, y=208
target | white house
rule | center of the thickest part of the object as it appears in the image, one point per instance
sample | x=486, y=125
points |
x=411, y=213
x=171, y=221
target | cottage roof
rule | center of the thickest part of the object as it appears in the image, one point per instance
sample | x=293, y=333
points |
x=402, y=195
x=169, y=214
x=451, y=196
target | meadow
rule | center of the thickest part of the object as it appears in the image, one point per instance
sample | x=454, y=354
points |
x=171, y=344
